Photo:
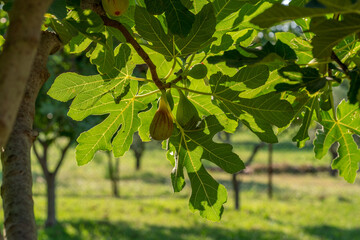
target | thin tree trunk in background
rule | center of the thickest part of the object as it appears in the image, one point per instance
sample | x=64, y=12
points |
x=270, y=172
x=51, y=204
x=116, y=179
x=17, y=57
x=236, y=183
x=50, y=178
x=16, y=189
x=138, y=147
x=334, y=154
x=138, y=161
x=114, y=174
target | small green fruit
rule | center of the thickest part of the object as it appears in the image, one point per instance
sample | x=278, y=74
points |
x=162, y=126
x=186, y=115
x=115, y=8
x=198, y=71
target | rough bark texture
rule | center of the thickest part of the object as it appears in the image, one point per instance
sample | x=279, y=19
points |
x=22, y=40
x=16, y=189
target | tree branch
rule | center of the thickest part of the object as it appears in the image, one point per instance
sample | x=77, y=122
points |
x=42, y=159
x=173, y=82
x=16, y=59
x=63, y=153
x=96, y=7
x=37, y=154
x=252, y=156
x=255, y=150
x=340, y=63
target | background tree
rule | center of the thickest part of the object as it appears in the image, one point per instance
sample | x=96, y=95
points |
x=138, y=147
x=55, y=128
x=114, y=174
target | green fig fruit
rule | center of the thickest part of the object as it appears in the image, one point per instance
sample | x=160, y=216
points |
x=115, y=8
x=198, y=71
x=186, y=115
x=162, y=126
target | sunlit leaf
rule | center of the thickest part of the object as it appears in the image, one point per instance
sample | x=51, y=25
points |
x=340, y=130
x=189, y=148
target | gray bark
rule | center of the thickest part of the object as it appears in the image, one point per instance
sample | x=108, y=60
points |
x=16, y=59
x=16, y=189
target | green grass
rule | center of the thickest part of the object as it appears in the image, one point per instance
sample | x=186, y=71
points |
x=303, y=207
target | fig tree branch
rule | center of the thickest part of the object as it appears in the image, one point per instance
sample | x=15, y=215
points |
x=340, y=63
x=96, y=7
x=173, y=82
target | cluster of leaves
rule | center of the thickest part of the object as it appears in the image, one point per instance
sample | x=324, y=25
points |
x=265, y=87
x=51, y=119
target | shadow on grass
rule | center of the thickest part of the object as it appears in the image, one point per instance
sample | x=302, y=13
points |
x=99, y=230
x=333, y=233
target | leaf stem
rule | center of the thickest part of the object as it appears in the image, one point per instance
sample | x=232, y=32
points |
x=193, y=91
x=147, y=94
x=332, y=102
x=139, y=79
x=331, y=95
x=181, y=65
x=340, y=63
x=189, y=63
x=171, y=71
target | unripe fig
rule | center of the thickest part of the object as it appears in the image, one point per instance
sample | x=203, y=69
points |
x=115, y=8
x=186, y=115
x=162, y=126
x=198, y=71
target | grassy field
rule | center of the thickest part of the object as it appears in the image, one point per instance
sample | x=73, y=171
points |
x=304, y=206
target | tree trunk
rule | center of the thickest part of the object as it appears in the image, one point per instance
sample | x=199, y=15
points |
x=237, y=183
x=334, y=154
x=50, y=178
x=138, y=147
x=16, y=189
x=114, y=175
x=236, y=187
x=51, y=206
x=270, y=172
x=16, y=59
x=138, y=162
